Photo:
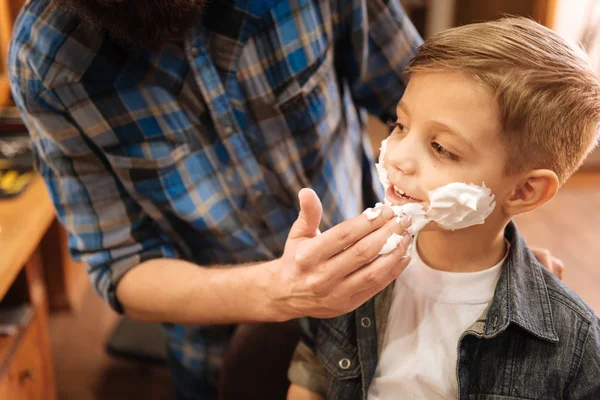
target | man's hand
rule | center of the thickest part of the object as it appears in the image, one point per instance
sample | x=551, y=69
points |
x=327, y=275
x=553, y=264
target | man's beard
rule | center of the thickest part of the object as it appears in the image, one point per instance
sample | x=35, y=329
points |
x=138, y=23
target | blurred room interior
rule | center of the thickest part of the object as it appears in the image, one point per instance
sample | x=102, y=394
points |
x=67, y=344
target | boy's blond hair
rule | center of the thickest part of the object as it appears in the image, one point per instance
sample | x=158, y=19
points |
x=547, y=93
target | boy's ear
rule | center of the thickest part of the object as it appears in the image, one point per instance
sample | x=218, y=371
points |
x=532, y=190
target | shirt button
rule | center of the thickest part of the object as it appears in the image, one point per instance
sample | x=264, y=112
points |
x=195, y=52
x=228, y=130
x=344, y=363
x=365, y=322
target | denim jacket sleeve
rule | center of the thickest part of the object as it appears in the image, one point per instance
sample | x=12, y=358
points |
x=586, y=382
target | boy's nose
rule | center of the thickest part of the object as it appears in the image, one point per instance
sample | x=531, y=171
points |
x=404, y=164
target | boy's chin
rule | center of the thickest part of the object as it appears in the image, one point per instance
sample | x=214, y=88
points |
x=434, y=227
x=431, y=227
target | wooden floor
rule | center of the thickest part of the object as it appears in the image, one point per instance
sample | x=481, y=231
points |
x=84, y=371
x=569, y=225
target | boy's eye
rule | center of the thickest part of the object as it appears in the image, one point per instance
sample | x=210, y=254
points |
x=438, y=148
x=397, y=125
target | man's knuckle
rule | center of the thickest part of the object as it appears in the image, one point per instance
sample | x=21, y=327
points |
x=343, y=234
x=314, y=286
x=545, y=253
x=363, y=251
x=302, y=257
x=372, y=277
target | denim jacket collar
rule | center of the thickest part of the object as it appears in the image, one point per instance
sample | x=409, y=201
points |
x=521, y=295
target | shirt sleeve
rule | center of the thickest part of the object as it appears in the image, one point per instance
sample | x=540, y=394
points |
x=586, y=383
x=107, y=229
x=375, y=41
x=307, y=371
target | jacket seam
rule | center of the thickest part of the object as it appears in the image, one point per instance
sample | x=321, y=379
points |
x=576, y=310
x=579, y=356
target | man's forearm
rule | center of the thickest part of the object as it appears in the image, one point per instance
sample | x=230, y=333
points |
x=318, y=275
x=167, y=290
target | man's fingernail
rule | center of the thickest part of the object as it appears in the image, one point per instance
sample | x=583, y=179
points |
x=401, y=266
x=406, y=221
x=406, y=238
x=387, y=213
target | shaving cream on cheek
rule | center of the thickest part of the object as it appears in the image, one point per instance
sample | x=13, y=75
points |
x=454, y=206
x=381, y=171
x=458, y=205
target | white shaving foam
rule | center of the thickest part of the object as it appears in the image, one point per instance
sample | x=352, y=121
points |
x=454, y=206
x=383, y=178
x=391, y=243
x=458, y=205
x=374, y=212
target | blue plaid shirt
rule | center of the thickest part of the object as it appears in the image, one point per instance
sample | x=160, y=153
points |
x=197, y=150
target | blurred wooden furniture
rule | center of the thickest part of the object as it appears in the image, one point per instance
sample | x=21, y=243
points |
x=35, y=270
x=26, y=369
x=468, y=11
x=27, y=226
x=9, y=9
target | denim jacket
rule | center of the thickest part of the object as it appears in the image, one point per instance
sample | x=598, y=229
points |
x=536, y=340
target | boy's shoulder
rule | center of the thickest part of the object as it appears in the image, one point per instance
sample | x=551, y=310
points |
x=577, y=325
x=536, y=295
x=572, y=317
x=558, y=333
x=565, y=301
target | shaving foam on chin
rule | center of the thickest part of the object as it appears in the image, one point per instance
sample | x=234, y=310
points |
x=453, y=206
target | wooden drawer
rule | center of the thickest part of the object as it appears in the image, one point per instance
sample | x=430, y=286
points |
x=25, y=377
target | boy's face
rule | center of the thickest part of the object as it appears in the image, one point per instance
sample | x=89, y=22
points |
x=447, y=130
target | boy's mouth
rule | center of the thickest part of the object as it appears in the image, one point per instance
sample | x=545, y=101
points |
x=399, y=197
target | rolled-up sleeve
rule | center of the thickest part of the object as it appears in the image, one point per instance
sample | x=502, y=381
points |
x=107, y=229
x=307, y=371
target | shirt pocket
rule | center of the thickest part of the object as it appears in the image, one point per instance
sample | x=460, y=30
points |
x=311, y=107
x=151, y=177
x=336, y=353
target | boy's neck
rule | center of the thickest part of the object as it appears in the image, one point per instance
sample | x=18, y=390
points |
x=464, y=250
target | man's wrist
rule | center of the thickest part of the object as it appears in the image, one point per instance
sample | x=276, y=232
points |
x=276, y=307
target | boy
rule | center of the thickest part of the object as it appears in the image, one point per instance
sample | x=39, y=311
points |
x=474, y=316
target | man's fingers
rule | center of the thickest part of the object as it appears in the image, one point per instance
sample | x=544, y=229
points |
x=309, y=218
x=347, y=233
x=367, y=249
x=380, y=271
x=558, y=267
x=384, y=276
x=550, y=262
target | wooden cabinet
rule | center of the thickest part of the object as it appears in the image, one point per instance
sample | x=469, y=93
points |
x=26, y=376
x=9, y=9
x=26, y=365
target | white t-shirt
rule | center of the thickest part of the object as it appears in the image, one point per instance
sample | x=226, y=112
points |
x=429, y=311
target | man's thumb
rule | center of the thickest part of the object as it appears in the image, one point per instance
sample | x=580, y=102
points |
x=309, y=218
